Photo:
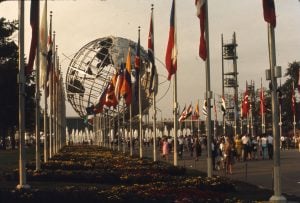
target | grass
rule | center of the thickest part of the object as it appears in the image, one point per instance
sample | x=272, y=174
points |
x=9, y=159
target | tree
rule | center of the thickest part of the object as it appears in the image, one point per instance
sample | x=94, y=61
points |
x=9, y=107
x=8, y=78
x=292, y=75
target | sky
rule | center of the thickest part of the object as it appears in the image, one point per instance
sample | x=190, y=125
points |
x=77, y=22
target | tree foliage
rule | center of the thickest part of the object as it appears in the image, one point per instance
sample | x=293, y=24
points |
x=9, y=101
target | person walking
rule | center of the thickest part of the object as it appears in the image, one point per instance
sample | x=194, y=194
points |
x=197, y=147
x=264, y=145
x=228, y=154
x=165, y=149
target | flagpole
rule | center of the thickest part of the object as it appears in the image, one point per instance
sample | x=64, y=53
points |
x=140, y=110
x=130, y=128
x=262, y=109
x=208, y=97
x=294, y=108
x=119, y=128
x=154, y=91
x=280, y=121
x=44, y=54
x=215, y=123
x=175, y=104
x=198, y=119
x=50, y=99
x=22, y=171
x=222, y=52
x=276, y=173
x=37, y=97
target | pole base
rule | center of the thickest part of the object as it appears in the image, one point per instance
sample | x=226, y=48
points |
x=279, y=199
x=20, y=187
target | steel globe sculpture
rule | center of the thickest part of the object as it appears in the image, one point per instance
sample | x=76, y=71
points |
x=92, y=68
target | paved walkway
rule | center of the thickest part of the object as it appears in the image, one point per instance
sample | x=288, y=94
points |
x=257, y=172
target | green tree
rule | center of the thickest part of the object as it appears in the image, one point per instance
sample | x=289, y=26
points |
x=292, y=75
x=8, y=78
x=9, y=85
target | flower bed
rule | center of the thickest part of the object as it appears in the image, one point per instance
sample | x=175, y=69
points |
x=93, y=174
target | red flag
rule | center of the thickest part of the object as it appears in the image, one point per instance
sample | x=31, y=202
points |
x=183, y=115
x=119, y=81
x=126, y=91
x=293, y=101
x=151, y=56
x=171, y=54
x=34, y=22
x=110, y=97
x=262, y=102
x=245, y=104
x=269, y=12
x=201, y=14
x=215, y=110
x=101, y=101
x=189, y=111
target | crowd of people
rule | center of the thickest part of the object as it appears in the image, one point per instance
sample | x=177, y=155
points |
x=226, y=150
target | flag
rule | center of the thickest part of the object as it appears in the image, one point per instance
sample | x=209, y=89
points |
x=196, y=113
x=183, y=115
x=189, y=111
x=269, y=12
x=43, y=47
x=153, y=74
x=110, y=97
x=262, y=102
x=50, y=52
x=223, y=106
x=201, y=14
x=101, y=101
x=126, y=91
x=245, y=104
x=215, y=110
x=34, y=20
x=204, y=108
x=137, y=64
x=119, y=81
x=171, y=54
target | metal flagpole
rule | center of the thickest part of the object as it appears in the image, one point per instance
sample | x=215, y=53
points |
x=294, y=115
x=46, y=137
x=280, y=121
x=175, y=104
x=277, y=177
x=208, y=97
x=119, y=129
x=224, y=121
x=154, y=91
x=198, y=119
x=262, y=109
x=22, y=170
x=130, y=128
x=51, y=100
x=37, y=97
x=140, y=109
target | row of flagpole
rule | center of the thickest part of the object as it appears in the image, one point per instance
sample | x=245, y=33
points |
x=46, y=70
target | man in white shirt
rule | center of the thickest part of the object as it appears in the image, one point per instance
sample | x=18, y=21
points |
x=245, y=148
